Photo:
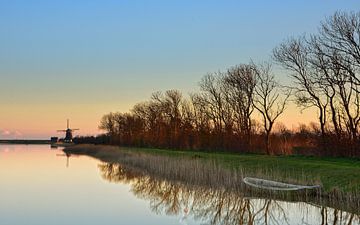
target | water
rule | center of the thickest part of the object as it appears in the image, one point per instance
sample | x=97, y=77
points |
x=39, y=185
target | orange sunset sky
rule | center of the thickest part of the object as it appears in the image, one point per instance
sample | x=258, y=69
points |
x=80, y=60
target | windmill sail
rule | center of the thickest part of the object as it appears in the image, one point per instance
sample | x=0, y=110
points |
x=68, y=132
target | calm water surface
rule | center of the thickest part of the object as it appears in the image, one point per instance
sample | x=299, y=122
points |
x=40, y=185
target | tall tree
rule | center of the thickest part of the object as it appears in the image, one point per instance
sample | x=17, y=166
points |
x=293, y=54
x=269, y=100
x=240, y=82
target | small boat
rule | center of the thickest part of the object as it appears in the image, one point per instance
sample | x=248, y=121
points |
x=274, y=185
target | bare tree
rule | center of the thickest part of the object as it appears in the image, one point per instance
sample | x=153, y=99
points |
x=240, y=83
x=326, y=68
x=210, y=86
x=341, y=34
x=107, y=123
x=294, y=56
x=269, y=100
x=339, y=41
x=169, y=108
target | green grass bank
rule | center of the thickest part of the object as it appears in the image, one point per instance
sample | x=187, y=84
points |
x=334, y=174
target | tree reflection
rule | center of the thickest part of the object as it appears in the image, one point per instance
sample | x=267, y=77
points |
x=216, y=205
x=335, y=216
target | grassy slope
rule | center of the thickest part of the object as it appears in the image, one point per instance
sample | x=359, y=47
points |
x=333, y=173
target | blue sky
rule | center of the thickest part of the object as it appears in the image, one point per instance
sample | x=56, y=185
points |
x=116, y=53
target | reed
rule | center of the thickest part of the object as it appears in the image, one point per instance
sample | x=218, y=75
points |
x=197, y=171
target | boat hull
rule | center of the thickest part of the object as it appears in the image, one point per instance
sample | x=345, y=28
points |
x=275, y=186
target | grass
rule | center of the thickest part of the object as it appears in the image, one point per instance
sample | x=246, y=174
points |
x=339, y=177
x=332, y=173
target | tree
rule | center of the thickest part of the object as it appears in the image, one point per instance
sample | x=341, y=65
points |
x=210, y=86
x=341, y=34
x=293, y=55
x=326, y=69
x=269, y=100
x=240, y=83
x=339, y=40
x=107, y=123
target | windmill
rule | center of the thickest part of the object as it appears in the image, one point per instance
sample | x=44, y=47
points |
x=68, y=133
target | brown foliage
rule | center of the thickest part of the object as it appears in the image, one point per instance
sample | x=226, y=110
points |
x=324, y=69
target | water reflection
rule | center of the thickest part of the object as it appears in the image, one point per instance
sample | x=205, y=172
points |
x=216, y=205
x=67, y=155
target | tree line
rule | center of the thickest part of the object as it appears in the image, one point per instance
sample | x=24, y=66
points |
x=236, y=109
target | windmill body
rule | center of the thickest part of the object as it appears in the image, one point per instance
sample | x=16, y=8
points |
x=68, y=134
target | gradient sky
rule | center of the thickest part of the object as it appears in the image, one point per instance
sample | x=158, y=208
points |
x=82, y=59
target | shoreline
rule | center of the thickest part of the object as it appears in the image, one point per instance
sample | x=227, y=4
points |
x=189, y=167
x=26, y=142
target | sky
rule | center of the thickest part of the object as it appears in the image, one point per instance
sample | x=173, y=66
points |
x=83, y=59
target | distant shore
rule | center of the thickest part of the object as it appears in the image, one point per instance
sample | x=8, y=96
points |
x=25, y=142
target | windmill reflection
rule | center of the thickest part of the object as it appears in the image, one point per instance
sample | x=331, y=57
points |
x=67, y=158
x=216, y=205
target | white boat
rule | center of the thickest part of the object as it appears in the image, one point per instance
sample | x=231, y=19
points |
x=274, y=185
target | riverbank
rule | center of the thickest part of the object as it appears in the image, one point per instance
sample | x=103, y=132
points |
x=333, y=174
x=339, y=178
